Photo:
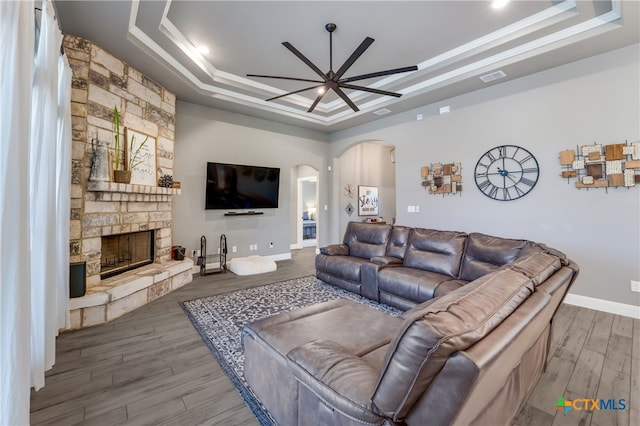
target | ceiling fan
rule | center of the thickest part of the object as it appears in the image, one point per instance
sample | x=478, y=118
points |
x=333, y=80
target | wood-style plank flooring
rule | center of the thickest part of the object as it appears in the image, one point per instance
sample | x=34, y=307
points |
x=150, y=367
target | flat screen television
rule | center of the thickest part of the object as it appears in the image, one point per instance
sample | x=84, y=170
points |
x=235, y=186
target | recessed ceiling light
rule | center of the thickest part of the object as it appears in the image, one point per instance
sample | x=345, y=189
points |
x=321, y=89
x=499, y=4
x=203, y=49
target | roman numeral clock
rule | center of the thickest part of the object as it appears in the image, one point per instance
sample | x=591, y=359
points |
x=506, y=173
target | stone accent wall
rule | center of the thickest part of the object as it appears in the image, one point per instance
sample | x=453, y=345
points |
x=100, y=82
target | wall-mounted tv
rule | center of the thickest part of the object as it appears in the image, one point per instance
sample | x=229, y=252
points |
x=234, y=186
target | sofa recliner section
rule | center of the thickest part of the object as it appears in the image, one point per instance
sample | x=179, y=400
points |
x=341, y=264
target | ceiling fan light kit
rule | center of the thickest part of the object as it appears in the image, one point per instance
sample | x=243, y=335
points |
x=333, y=80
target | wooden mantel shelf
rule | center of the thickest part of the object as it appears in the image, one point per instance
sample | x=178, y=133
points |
x=126, y=188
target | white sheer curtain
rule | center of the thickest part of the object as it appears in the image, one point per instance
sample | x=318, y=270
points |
x=63, y=190
x=35, y=158
x=16, y=78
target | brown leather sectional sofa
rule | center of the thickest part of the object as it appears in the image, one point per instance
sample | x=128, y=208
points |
x=473, y=340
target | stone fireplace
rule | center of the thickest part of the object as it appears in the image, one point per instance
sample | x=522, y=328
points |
x=123, y=232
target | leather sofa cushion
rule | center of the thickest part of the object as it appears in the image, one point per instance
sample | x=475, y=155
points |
x=366, y=240
x=397, y=244
x=485, y=254
x=386, y=260
x=368, y=330
x=448, y=286
x=346, y=267
x=538, y=267
x=435, y=251
x=336, y=376
x=412, y=284
x=432, y=333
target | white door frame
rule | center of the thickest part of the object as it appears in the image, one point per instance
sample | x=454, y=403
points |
x=300, y=209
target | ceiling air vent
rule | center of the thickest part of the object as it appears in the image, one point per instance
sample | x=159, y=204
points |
x=496, y=75
x=382, y=111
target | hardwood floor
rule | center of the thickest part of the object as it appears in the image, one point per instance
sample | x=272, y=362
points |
x=151, y=367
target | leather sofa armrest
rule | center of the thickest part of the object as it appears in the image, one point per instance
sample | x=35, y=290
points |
x=386, y=260
x=335, y=250
x=338, y=378
x=369, y=287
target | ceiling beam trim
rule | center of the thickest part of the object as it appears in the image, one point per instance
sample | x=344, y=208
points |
x=336, y=109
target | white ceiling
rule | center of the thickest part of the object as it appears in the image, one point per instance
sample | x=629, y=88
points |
x=452, y=42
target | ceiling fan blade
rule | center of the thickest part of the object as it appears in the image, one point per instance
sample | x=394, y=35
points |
x=379, y=74
x=354, y=56
x=305, y=60
x=369, y=89
x=345, y=98
x=317, y=101
x=296, y=91
x=285, y=78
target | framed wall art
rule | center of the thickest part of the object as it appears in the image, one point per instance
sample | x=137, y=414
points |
x=368, y=201
x=140, y=157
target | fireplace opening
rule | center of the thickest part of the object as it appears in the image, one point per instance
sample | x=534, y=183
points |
x=124, y=252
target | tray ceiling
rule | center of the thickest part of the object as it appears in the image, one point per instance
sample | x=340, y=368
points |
x=452, y=42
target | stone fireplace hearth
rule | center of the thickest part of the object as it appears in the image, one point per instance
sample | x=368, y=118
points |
x=111, y=211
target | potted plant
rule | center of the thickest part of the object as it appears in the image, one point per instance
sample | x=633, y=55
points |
x=119, y=175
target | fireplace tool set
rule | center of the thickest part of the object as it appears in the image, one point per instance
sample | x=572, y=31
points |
x=202, y=259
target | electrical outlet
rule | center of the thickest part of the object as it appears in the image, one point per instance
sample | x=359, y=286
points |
x=234, y=249
x=271, y=244
x=635, y=286
x=194, y=253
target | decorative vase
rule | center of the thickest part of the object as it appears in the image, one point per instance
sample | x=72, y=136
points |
x=100, y=162
x=122, y=176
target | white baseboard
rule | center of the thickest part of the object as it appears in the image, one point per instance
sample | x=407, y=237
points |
x=603, y=305
x=295, y=246
x=281, y=256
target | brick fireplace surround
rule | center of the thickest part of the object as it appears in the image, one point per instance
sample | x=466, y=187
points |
x=100, y=82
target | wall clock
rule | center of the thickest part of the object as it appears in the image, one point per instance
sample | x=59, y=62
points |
x=506, y=172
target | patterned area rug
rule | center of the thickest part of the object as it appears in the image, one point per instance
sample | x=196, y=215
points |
x=219, y=320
